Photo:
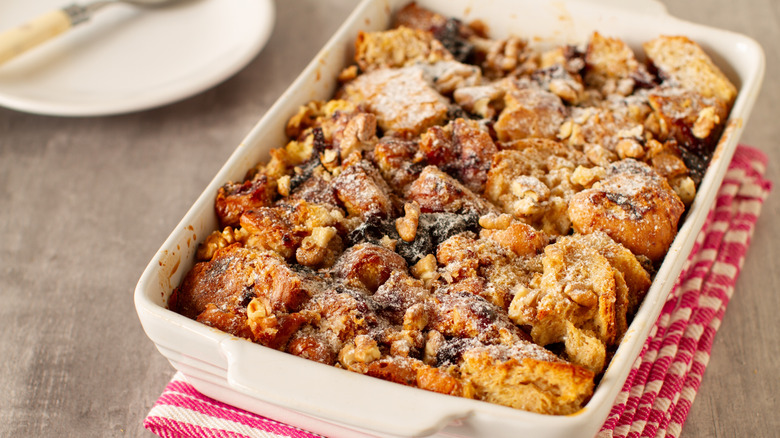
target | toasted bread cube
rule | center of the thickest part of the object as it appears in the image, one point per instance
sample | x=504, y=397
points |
x=397, y=48
x=389, y=93
x=683, y=61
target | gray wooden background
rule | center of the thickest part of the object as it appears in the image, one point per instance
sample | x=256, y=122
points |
x=86, y=202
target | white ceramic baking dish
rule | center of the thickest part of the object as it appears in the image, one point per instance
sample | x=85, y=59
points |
x=339, y=403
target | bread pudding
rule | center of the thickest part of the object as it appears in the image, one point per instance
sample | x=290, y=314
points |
x=471, y=216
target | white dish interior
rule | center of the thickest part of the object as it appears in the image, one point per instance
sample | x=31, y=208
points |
x=336, y=402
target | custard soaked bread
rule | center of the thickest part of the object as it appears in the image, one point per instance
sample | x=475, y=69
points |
x=471, y=216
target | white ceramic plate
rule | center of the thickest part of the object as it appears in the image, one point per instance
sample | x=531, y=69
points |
x=127, y=59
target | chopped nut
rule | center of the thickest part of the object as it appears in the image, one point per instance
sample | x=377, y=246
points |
x=685, y=189
x=581, y=294
x=256, y=309
x=322, y=235
x=483, y=108
x=530, y=187
x=407, y=225
x=261, y=319
x=530, y=193
x=565, y=90
x=347, y=355
x=425, y=269
x=416, y=317
x=522, y=308
x=319, y=248
x=656, y=125
x=298, y=152
x=653, y=148
x=566, y=129
x=329, y=159
x=504, y=55
x=491, y=221
x=283, y=185
x=705, y=122
x=629, y=148
x=586, y=176
x=215, y=241
x=576, y=138
x=518, y=237
x=635, y=132
x=348, y=74
x=598, y=155
x=362, y=350
x=388, y=243
x=433, y=342
x=366, y=349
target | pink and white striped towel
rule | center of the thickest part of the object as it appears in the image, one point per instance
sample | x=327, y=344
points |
x=661, y=387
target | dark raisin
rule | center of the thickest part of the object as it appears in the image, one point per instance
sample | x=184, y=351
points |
x=442, y=226
x=451, y=352
x=413, y=251
x=450, y=37
x=372, y=230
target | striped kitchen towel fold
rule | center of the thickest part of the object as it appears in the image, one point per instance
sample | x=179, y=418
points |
x=661, y=387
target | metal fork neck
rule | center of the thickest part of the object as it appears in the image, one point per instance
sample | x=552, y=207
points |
x=81, y=13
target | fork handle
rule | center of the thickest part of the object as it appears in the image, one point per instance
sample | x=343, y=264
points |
x=18, y=40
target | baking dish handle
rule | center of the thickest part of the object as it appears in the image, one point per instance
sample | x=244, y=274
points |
x=330, y=394
x=644, y=7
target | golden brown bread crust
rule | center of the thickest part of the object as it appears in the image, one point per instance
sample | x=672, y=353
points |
x=529, y=380
x=416, y=17
x=389, y=92
x=397, y=48
x=529, y=112
x=368, y=266
x=231, y=321
x=531, y=180
x=234, y=199
x=582, y=297
x=464, y=315
x=462, y=148
x=205, y=283
x=313, y=345
x=363, y=192
x=413, y=372
x=609, y=58
x=633, y=205
x=395, y=159
x=685, y=115
x=436, y=191
x=518, y=237
x=685, y=63
x=474, y=217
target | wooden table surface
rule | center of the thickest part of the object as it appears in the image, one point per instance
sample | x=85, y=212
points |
x=86, y=202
